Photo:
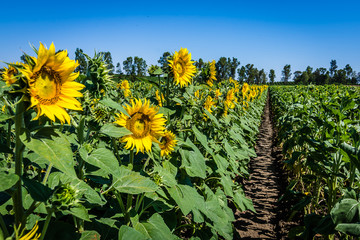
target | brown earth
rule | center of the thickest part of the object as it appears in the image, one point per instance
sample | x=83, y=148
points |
x=265, y=185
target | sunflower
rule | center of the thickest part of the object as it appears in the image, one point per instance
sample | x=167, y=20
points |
x=158, y=98
x=145, y=123
x=51, y=84
x=212, y=73
x=230, y=99
x=182, y=67
x=9, y=75
x=245, y=89
x=217, y=93
x=167, y=143
x=209, y=103
x=125, y=86
x=32, y=235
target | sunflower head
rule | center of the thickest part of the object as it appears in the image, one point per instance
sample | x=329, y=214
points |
x=230, y=99
x=159, y=98
x=167, y=143
x=51, y=84
x=125, y=87
x=209, y=103
x=144, y=123
x=182, y=67
x=9, y=75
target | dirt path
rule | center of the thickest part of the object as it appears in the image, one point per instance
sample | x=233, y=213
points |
x=264, y=187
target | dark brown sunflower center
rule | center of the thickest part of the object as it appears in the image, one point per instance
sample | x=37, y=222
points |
x=139, y=124
x=46, y=83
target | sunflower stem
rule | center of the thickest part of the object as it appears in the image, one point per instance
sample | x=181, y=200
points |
x=46, y=224
x=3, y=227
x=116, y=150
x=161, y=100
x=19, y=148
x=167, y=91
x=48, y=170
x=132, y=157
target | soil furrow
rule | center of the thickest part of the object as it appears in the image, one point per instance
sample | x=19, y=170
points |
x=264, y=187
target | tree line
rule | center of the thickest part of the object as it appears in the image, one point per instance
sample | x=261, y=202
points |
x=321, y=76
x=227, y=67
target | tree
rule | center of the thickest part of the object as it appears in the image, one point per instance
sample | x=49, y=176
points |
x=221, y=68
x=286, y=73
x=80, y=57
x=242, y=74
x=129, y=67
x=163, y=61
x=250, y=73
x=272, y=75
x=333, y=67
x=140, y=66
x=118, y=69
x=348, y=69
x=232, y=66
x=297, y=77
x=199, y=64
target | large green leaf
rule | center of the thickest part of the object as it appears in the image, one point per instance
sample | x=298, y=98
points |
x=193, y=161
x=346, y=211
x=186, y=197
x=349, y=228
x=90, y=235
x=242, y=202
x=56, y=150
x=126, y=233
x=155, y=228
x=127, y=181
x=104, y=159
x=112, y=104
x=114, y=131
x=37, y=190
x=7, y=180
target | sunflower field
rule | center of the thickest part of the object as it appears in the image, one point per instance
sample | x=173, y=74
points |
x=89, y=156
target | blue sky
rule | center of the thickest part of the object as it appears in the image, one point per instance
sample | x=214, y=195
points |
x=268, y=34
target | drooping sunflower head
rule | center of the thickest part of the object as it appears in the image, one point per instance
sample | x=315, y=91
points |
x=217, y=93
x=211, y=73
x=230, y=99
x=159, y=98
x=145, y=124
x=167, y=143
x=9, y=74
x=182, y=67
x=125, y=87
x=209, y=103
x=51, y=84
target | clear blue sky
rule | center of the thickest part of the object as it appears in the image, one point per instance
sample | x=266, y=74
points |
x=268, y=34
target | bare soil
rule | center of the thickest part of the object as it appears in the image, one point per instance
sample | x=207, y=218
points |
x=265, y=185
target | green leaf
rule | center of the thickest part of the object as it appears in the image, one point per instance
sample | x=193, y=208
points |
x=212, y=118
x=127, y=232
x=243, y=203
x=4, y=117
x=346, y=211
x=193, y=161
x=56, y=150
x=7, y=180
x=110, y=103
x=186, y=197
x=349, y=228
x=104, y=159
x=114, y=131
x=127, y=181
x=166, y=111
x=155, y=228
x=90, y=235
x=202, y=139
x=38, y=191
x=90, y=193
x=79, y=211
